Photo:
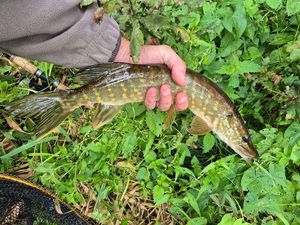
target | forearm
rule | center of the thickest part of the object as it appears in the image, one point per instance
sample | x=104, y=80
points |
x=57, y=31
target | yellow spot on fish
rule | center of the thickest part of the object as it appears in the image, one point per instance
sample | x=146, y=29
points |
x=111, y=95
x=193, y=95
x=124, y=95
x=142, y=80
x=98, y=97
x=216, y=121
x=122, y=85
x=109, y=89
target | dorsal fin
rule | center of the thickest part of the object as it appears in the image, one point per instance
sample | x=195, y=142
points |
x=93, y=73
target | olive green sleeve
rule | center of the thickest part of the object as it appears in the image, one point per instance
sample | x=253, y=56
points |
x=57, y=31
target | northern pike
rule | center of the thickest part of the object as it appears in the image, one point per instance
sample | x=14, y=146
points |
x=110, y=86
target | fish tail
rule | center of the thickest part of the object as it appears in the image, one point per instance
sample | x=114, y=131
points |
x=46, y=110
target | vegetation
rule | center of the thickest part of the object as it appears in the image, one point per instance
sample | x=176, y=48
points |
x=133, y=172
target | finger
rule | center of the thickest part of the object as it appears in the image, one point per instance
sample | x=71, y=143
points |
x=165, y=100
x=175, y=64
x=178, y=74
x=150, y=98
x=181, y=101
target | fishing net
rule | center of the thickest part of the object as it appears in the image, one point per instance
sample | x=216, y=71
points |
x=22, y=204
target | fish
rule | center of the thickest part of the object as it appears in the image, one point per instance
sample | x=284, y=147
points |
x=109, y=86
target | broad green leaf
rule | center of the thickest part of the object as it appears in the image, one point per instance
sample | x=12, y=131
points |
x=295, y=55
x=293, y=129
x=292, y=7
x=209, y=141
x=181, y=171
x=110, y=6
x=150, y=156
x=229, y=45
x=240, y=20
x=153, y=122
x=254, y=204
x=197, y=221
x=143, y=174
x=84, y=3
x=254, y=52
x=249, y=67
x=4, y=69
x=281, y=38
x=136, y=41
x=282, y=218
x=134, y=110
x=159, y=196
x=228, y=219
x=241, y=222
x=234, y=81
x=295, y=155
x=129, y=144
x=251, y=7
x=156, y=21
x=228, y=21
x=95, y=147
x=86, y=129
x=190, y=199
x=292, y=133
x=274, y=4
x=226, y=69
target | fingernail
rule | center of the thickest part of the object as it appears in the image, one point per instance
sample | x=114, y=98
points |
x=182, y=100
x=165, y=90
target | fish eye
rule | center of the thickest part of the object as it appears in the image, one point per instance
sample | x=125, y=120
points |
x=246, y=138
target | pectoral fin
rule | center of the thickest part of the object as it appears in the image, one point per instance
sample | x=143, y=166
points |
x=104, y=113
x=199, y=126
x=170, y=117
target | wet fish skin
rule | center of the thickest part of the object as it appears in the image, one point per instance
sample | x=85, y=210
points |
x=113, y=85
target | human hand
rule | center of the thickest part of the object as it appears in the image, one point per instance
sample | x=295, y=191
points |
x=159, y=54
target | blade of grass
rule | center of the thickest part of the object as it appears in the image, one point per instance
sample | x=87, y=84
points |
x=26, y=146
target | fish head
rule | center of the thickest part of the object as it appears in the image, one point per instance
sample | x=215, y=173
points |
x=244, y=147
x=238, y=138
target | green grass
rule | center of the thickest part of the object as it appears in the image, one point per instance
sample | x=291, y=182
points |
x=134, y=172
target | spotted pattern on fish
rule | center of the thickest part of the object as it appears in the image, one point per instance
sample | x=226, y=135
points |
x=118, y=84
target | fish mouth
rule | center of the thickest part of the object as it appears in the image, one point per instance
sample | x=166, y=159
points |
x=249, y=153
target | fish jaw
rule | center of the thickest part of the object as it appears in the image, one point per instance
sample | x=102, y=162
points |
x=246, y=150
x=233, y=132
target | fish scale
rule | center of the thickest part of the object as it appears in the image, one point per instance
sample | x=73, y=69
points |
x=109, y=86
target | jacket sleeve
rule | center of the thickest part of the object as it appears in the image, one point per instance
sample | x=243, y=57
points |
x=57, y=31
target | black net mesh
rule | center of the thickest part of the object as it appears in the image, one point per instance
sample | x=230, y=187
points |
x=23, y=204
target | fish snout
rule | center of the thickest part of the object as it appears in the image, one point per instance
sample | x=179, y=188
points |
x=248, y=152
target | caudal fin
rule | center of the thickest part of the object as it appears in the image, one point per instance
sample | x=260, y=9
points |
x=47, y=110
